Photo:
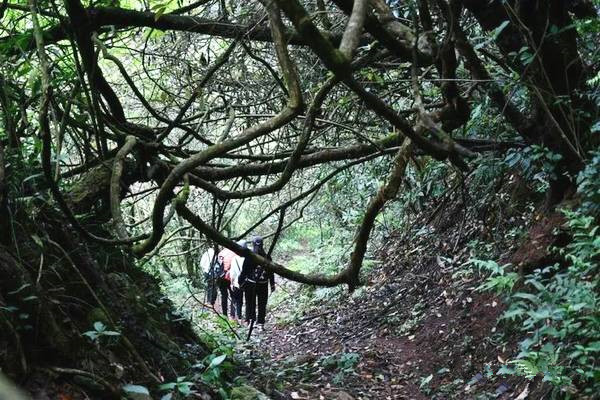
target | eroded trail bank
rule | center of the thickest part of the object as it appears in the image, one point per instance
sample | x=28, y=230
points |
x=80, y=320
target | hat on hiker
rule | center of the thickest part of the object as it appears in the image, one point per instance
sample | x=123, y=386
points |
x=257, y=240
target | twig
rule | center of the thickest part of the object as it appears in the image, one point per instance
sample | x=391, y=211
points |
x=115, y=393
x=212, y=307
x=311, y=317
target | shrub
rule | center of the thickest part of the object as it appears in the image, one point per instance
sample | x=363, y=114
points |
x=588, y=182
x=558, y=311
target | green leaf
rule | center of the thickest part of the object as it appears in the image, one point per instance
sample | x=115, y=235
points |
x=99, y=326
x=579, y=306
x=185, y=388
x=500, y=28
x=217, y=361
x=526, y=368
x=548, y=348
x=425, y=381
x=527, y=296
x=540, y=315
x=91, y=334
x=37, y=240
x=594, y=346
x=506, y=370
x=159, y=13
x=136, y=389
x=168, y=386
x=514, y=313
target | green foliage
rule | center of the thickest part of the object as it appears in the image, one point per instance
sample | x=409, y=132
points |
x=347, y=361
x=316, y=249
x=215, y=371
x=162, y=7
x=181, y=385
x=215, y=368
x=584, y=250
x=133, y=390
x=535, y=163
x=424, y=384
x=99, y=331
x=588, y=184
x=499, y=280
x=595, y=80
x=559, y=312
x=343, y=363
x=487, y=172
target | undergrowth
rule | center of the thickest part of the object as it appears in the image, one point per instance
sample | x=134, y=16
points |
x=557, y=309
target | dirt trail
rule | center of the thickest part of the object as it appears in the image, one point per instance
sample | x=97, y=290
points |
x=384, y=366
x=422, y=332
x=398, y=340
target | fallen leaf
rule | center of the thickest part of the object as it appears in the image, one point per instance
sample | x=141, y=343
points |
x=523, y=394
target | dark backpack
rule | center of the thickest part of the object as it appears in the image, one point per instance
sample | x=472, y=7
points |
x=218, y=269
x=260, y=274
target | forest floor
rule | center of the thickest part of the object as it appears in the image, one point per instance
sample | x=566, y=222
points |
x=423, y=332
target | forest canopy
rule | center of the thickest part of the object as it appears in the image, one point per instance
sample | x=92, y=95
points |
x=438, y=158
x=232, y=117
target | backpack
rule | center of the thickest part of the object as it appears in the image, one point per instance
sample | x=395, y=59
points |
x=260, y=274
x=218, y=270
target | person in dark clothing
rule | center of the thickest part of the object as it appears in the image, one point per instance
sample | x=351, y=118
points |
x=211, y=288
x=255, y=280
x=223, y=285
x=237, y=300
x=218, y=284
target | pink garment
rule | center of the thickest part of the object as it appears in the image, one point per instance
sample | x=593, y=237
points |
x=228, y=257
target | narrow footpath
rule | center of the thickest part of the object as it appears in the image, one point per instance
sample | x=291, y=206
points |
x=423, y=333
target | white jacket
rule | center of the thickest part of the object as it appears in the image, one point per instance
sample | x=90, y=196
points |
x=236, y=270
x=207, y=259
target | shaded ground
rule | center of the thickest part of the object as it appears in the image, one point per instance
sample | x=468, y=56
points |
x=422, y=332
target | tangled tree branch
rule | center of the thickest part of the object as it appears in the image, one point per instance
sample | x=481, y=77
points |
x=190, y=105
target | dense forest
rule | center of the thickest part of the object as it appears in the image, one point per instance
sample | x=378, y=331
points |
x=425, y=175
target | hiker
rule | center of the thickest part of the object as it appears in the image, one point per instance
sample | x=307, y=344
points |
x=237, y=295
x=223, y=280
x=255, y=280
x=207, y=263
